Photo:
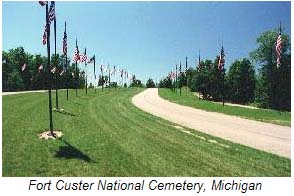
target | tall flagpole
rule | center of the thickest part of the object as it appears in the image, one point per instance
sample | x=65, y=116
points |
x=186, y=75
x=77, y=69
x=56, y=73
x=86, y=69
x=66, y=63
x=176, y=85
x=94, y=73
x=180, y=76
x=49, y=70
x=108, y=76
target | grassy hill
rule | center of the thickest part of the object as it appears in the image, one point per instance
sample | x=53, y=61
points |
x=270, y=116
x=105, y=135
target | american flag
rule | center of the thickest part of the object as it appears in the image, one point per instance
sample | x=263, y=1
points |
x=40, y=68
x=113, y=71
x=53, y=70
x=91, y=60
x=199, y=61
x=121, y=73
x=42, y=3
x=279, y=48
x=83, y=58
x=63, y=71
x=23, y=67
x=45, y=36
x=52, y=12
x=221, y=60
x=77, y=53
x=101, y=68
x=64, y=48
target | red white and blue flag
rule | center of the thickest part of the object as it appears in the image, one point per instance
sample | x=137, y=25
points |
x=279, y=48
x=40, y=68
x=42, y=3
x=23, y=67
x=221, y=60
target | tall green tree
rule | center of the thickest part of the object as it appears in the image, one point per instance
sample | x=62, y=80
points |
x=240, y=82
x=274, y=85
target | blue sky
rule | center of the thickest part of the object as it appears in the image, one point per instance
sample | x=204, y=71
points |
x=147, y=38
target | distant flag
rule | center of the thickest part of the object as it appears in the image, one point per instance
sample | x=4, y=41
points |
x=279, y=48
x=121, y=73
x=63, y=71
x=101, y=68
x=40, y=68
x=199, y=61
x=106, y=68
x=53, y=70
x=23, y=67
x=83, y=58
x=221, y=60
x=73, y=74
x=91, y=60
x=45, y=36
x=42, y=3
x=64, y=48
x=76, y=55
x=51, y=12
x=113, y=71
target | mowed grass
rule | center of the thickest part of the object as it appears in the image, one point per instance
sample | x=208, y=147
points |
x=189, y=99
x=105, y=135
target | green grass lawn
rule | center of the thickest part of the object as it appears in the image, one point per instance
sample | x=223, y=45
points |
x=270, y=116
x=105, y=135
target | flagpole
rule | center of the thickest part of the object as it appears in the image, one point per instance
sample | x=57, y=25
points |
x=49, y=70
x=102, y=77
x=186, y=75
x=55, y=65
x=76, y=70
x=94, y=73
x=176, y=85
x=199, y=65
x=180, y=78
x=108, y=76
x=86, y=69
x=66, y=65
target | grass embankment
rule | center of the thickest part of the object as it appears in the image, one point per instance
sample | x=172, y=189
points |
x=105, y=135
x=189, y=99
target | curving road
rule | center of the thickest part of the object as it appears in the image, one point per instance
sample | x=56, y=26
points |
x=268, y=137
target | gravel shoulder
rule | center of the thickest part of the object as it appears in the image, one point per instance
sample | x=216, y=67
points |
x=267, y=137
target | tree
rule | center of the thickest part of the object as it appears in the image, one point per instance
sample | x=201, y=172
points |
x=240, y=82
x=150, y=83
x=136, y=82
x=274, y=84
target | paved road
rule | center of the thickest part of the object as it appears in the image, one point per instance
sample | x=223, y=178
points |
x=264, y=136
x=20, y=92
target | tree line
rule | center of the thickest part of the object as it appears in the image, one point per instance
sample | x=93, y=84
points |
x=265, y=84
x=33, y=78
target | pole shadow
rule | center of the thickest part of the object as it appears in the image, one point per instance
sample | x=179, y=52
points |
x=71, y=152
x=66, y=113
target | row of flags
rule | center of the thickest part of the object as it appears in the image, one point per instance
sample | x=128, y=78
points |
x=221, y=58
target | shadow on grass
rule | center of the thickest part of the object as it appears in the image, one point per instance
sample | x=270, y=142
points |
x=66, y=113
x=71, y=152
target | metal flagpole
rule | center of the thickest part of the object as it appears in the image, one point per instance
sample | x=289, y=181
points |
x=108, y=76
x=186, y=76
x=66, y=63
x=77, y=68
x=49, y=71
x=94, y=73
x=102, y=77
x=180, y=76
x=86, y=69
x=56, y=73
x=176, y=85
